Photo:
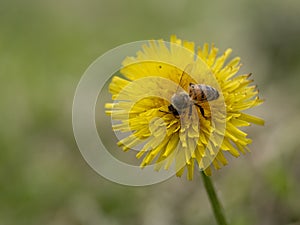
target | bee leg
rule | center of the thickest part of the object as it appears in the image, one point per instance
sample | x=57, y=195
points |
x=173, y=110
x=201, y=110
x=164, y=111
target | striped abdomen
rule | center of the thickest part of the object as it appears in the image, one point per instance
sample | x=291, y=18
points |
x=202, y=93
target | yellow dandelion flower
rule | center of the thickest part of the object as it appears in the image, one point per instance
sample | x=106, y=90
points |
x=182, y=106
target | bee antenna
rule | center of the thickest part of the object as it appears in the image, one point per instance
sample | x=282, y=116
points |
x=187, y=70
x=179, y=81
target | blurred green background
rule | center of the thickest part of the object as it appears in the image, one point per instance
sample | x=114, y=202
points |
x=45, y=47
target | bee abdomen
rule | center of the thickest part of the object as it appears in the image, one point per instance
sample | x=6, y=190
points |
x=210, y=93
x=202, y=93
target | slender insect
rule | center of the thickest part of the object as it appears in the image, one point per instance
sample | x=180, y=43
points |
x=197, y=94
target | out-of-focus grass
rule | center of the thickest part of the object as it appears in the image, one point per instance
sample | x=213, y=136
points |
x=45, y=46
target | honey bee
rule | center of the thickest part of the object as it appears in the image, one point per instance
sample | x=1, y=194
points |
x=197, y=94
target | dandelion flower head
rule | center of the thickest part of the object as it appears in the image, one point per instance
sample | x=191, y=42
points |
x=192, y=134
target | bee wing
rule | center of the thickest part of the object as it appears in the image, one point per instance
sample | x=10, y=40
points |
x=188, y=69
x=185, y=77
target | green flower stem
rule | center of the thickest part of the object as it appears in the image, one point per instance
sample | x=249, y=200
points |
x=217, y=208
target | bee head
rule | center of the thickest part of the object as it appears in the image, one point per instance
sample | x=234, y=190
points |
x=180, y=101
